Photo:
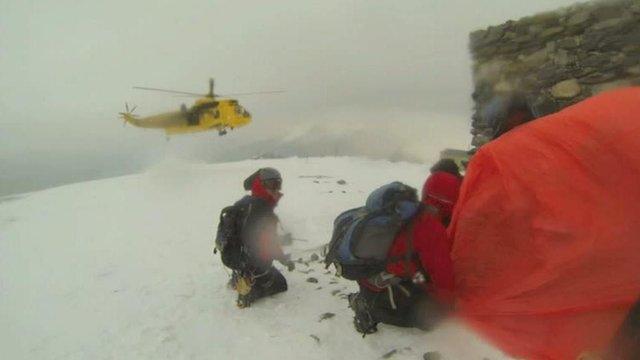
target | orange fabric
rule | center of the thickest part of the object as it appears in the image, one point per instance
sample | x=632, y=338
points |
x=546, y=233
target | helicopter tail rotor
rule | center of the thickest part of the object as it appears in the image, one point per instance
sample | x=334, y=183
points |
x=128, y=113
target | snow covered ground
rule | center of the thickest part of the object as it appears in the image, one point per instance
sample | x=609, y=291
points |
x=122, y=268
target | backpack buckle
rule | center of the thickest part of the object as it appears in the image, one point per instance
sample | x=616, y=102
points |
x=383, y=280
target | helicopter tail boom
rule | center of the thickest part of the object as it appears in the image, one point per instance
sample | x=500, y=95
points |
x=129, y=118
x=161, y=121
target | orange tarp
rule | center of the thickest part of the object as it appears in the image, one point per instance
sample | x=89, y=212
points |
x=547, y=230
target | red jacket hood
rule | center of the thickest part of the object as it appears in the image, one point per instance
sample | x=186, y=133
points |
x=441, y=190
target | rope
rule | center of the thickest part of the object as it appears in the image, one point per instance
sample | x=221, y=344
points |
x=404, y=290
x=391, y=301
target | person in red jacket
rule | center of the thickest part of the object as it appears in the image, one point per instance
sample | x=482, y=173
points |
x=260, y=246
x=447, y=165
x=417, y=286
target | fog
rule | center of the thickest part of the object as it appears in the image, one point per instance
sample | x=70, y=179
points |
x=385, y=79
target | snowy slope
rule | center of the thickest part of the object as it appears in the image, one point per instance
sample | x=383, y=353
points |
x=122, y=269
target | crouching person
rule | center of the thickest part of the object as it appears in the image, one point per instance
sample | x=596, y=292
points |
x=397, y=249
x=247, y=239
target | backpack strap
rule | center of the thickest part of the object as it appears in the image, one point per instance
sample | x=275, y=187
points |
x=408, y=255
x=244, y=212
x=215, y=247
x=431, y=210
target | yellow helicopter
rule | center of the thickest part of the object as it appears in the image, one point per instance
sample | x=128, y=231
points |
x=209, y=112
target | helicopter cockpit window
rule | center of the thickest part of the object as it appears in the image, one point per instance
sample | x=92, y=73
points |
x=241, y=111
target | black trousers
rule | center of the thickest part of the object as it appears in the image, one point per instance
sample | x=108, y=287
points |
x=410, y=306
x=266, y=282
x=626, y=343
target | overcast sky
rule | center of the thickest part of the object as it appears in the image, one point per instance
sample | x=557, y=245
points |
x=380, y=68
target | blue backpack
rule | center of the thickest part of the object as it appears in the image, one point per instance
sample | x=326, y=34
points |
x=362, y=236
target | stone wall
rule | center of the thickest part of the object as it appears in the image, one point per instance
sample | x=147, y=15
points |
x=556, y=59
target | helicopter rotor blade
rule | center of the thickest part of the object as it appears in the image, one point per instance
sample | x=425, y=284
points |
x=211, y=83
x=134, y=108
x=168, y=91
x=126, y=106
x=253, y=93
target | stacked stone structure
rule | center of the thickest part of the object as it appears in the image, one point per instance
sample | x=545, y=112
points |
x=556, y=59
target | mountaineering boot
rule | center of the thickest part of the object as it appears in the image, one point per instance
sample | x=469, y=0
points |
x=233, y=281
x=362, y=321
x=244, y=301
x=246, y=295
